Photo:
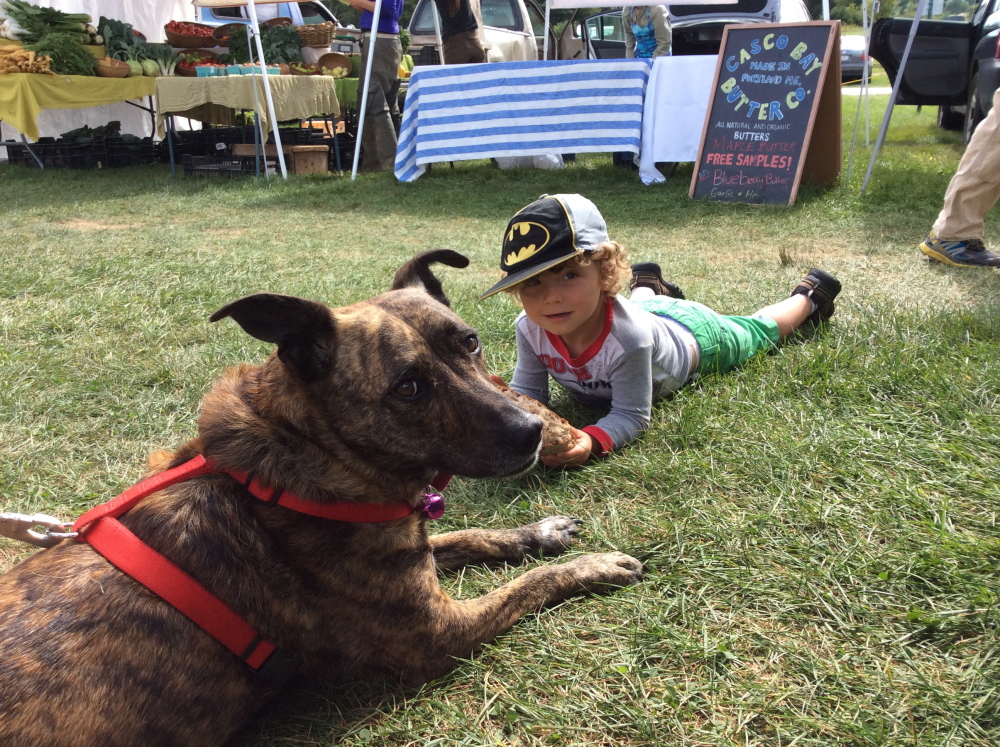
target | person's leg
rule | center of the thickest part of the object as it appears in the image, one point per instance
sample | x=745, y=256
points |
x=647, y=275
x=789, y=314
x=812, y=301
x=957, y=235
x=379, y=137
x=975, y=187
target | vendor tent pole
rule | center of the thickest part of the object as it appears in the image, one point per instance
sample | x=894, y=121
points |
x=545, y=41
x=267, y=89
x=259, y=136
x=863, y=94
x=921, y=6
x=372, y=38
x=437, y=30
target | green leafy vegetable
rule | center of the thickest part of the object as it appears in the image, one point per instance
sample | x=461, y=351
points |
x=280, y=43
x=35, y=22
x=121, y=41
x=67, y=54
x=165, y=56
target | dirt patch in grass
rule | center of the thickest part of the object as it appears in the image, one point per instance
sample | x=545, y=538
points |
x=79, y=224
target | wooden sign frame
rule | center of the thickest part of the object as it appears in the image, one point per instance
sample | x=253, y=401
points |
x=772, y=59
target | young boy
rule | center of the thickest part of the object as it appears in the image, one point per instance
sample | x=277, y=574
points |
x=560, y=264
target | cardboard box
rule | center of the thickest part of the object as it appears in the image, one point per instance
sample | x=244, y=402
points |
x=301, y=159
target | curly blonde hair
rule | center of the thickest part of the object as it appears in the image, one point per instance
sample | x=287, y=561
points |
x=613, y=264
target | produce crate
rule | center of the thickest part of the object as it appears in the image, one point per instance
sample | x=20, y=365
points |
x=57, y=154
x=205, y=142
x=300, y=159
x=120, y=153
x=226, y=166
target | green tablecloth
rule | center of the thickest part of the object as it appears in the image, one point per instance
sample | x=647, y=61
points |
x=347, y=91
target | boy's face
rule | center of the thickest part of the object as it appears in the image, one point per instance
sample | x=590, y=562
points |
x=566, y=299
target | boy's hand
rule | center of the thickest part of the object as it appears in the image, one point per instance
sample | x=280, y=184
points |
x=575, y=455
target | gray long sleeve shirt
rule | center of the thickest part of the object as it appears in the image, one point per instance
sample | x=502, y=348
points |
x=638, y=357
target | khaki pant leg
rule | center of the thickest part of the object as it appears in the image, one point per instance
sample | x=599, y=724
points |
x=975, y=187
x=379, y=137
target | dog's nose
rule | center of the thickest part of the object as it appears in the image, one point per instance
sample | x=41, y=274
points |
x=527, y=435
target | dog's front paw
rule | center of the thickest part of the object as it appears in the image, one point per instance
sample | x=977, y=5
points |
x=554, y=534
x=606, y=571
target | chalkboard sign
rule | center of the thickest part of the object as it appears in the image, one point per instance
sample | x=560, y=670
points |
x=774, y=115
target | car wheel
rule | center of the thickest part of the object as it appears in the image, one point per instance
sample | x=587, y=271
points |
x=973, y=111
x=949, y=119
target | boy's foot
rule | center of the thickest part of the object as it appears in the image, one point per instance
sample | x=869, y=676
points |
x=648, y=275
x=821, y=288
x=968, y=253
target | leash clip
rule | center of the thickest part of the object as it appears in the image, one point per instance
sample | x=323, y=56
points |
x=21, y=527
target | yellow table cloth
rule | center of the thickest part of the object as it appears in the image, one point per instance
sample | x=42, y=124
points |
x=214, y=99
x=24, y=95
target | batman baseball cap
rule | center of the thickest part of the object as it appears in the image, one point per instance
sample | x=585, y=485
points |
x=547, y=232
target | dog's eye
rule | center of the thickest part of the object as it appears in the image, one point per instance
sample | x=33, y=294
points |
x=407, y=389
x=472, y=344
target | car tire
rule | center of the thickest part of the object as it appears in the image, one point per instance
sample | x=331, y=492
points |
x=973, y=110
x=949, y=119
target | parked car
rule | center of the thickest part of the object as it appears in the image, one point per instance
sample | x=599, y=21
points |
x=854, y=62
x=511, y=30
x=697, y=28
x=514, y=29
x=953, y=64
x=309, y=13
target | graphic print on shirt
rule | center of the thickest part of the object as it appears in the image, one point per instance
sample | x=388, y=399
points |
x=591, y=377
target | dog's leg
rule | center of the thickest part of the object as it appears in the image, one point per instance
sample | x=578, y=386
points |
x=419, y=653
x=549, y=536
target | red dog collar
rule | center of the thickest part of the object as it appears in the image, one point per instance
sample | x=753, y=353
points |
x=100, y=528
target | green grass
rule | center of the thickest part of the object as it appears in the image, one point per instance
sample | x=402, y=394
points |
x=819, y=528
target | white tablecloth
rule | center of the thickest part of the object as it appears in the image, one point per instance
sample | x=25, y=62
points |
x=677, y=99
x=462, y=112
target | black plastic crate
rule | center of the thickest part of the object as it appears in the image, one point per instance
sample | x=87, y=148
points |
x=227, y=166
x=18, y=155
x=57, y=154
x=120, y=152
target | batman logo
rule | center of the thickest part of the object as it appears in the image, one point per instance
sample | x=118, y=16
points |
x=525, y=239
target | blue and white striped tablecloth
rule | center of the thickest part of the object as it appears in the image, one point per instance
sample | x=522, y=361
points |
x=462, y=112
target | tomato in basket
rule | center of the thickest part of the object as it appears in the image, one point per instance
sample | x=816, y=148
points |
x=188, y=29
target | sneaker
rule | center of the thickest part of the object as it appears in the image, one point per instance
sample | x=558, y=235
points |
x=968, y=253
x=821, y=288
x=647, y=275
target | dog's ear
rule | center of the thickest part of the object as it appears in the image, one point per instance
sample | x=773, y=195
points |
x=303, y=330
x=417, y=272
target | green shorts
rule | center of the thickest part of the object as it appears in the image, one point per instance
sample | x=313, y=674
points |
x=726, y=342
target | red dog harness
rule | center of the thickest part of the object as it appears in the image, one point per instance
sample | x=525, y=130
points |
x=100, y=528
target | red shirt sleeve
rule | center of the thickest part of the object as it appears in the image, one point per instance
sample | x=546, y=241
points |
x=601, y=439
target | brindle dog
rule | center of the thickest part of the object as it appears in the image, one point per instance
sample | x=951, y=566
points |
x=364, y=403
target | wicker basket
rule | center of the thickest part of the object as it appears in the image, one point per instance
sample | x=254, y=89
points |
x=183, y=41
x=193, y=72
x=279, y=21
x=311, y=69
x=316, y=35
x=334, y=59
x=111, y=69
x=222, y=33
